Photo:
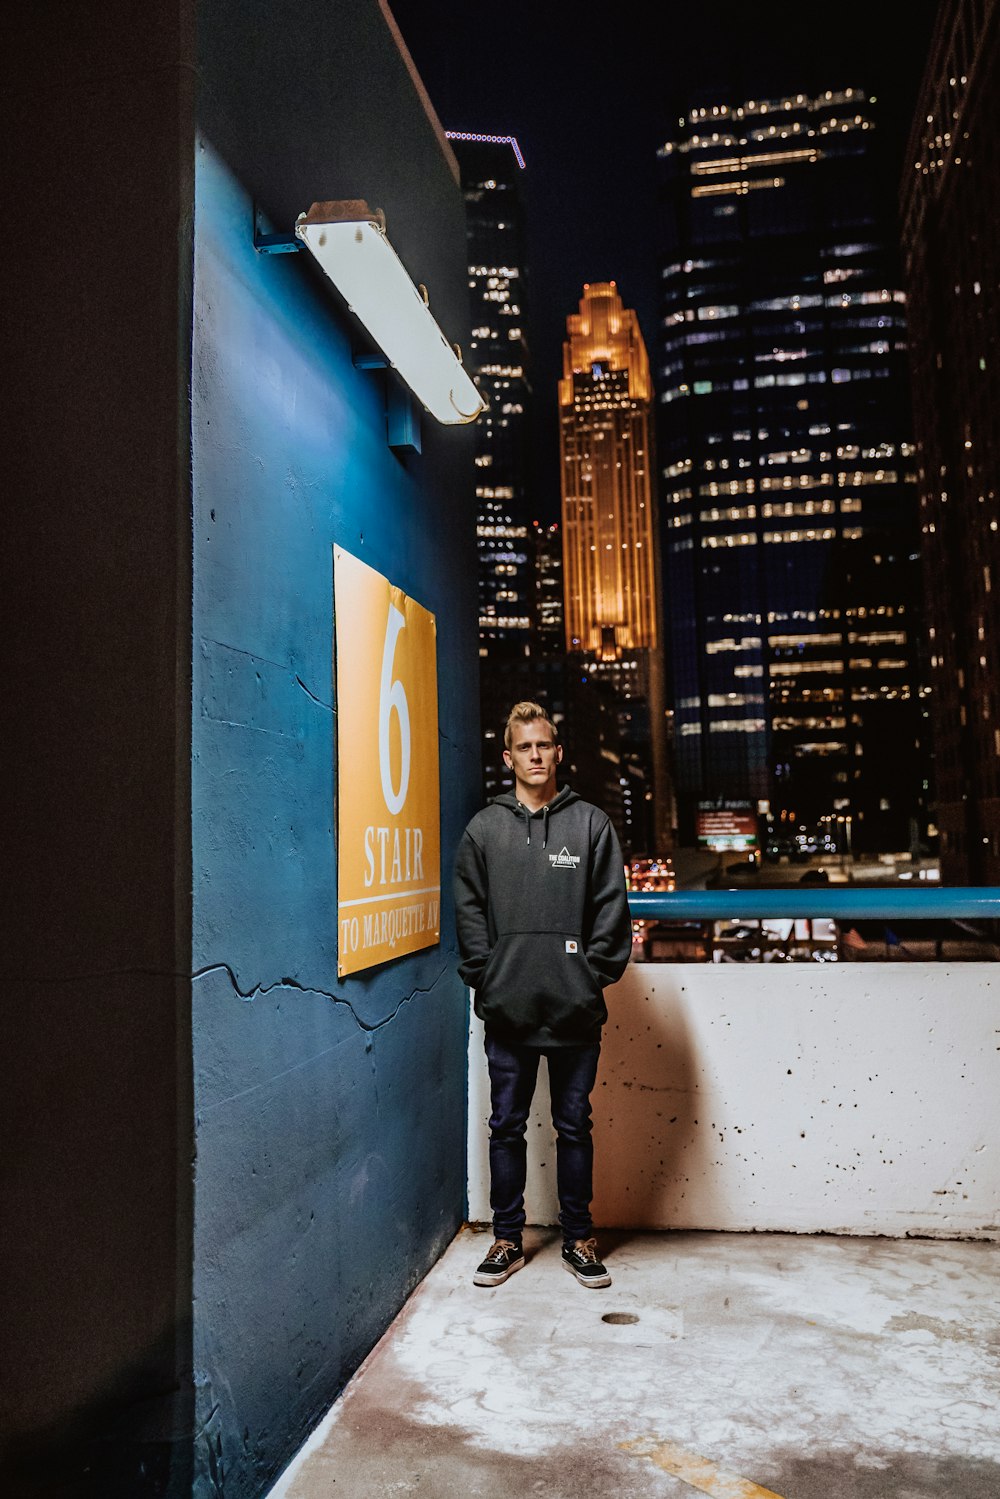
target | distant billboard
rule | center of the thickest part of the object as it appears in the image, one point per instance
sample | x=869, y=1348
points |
x=727, y=824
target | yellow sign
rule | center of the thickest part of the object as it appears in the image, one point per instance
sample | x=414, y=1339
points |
x=389, y=809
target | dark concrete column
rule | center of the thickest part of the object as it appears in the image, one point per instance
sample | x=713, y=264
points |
x=96, y=1088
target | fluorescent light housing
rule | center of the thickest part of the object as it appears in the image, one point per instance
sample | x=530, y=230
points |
x=348, y=240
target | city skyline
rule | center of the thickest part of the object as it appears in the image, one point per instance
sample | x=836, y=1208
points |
x=591, y=167
x=605, y=720
x=812, y=525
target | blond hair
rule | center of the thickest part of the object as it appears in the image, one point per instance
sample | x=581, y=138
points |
x=526, y=713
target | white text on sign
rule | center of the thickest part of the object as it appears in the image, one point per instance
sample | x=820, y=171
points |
x=386, y=928
x=405, y=861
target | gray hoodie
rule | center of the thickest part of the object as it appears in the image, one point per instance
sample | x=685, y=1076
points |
x=543, y=921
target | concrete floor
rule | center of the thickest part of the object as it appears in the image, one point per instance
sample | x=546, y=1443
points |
x=734, y=1365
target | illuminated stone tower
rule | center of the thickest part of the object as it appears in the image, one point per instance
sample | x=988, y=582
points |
x=609, y=536
x=610, y=545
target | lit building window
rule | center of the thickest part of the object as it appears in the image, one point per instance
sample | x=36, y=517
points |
x=806, y=668
x=787, y=642
x=738, y=726
x=805, y=534
x=746, y=643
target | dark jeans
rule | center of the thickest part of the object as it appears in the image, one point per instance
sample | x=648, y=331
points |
x=513, y=1071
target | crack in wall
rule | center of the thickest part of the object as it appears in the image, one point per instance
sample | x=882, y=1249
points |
x=338, y=999
x=370, y=1049
x=249, y=995
x=330, y=707
x=241, y=723
x=281, y=666
x=366, y=1027
x=250, y=655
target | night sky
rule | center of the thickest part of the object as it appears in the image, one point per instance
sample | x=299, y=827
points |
x=591, y=95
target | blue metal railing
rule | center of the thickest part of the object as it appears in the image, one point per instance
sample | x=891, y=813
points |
x=835, y=902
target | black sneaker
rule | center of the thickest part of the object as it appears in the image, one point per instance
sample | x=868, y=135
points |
x=501, y=1262
x=580, y=1259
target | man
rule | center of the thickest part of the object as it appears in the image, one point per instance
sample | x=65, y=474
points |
x=543, y=927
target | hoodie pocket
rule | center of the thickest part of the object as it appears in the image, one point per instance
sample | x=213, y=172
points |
x=541, y=981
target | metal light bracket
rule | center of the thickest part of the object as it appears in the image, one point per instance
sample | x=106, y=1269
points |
x=402, y=416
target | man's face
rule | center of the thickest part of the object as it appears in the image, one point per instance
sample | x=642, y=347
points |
x=533, y=757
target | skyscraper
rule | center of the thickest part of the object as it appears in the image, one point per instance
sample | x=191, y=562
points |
x=609, y=535
x=789, y=482
x=951, y=233
x=498, y=361
x=549, y=630
x=610, y=539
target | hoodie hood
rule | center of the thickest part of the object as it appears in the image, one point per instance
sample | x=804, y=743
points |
x=564, y=797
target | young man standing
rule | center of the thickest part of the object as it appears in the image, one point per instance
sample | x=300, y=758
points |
x=543, y=927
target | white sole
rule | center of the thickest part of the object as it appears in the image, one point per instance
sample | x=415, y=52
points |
x=592, y=1282
x=497, y=1280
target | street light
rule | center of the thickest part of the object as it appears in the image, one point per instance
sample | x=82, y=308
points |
x=349, y=243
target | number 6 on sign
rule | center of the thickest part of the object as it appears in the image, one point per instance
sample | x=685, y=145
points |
x=392, y=695
x=387, y=783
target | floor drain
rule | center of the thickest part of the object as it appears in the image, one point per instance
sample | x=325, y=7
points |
x=620, y=1319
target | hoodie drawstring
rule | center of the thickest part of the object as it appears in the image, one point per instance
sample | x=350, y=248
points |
x=564, y=797
x=545, y=822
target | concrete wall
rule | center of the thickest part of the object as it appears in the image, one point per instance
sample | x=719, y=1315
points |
x=330, y=1113
x=188, y=438
x=810, y=1099
x=95, y=1252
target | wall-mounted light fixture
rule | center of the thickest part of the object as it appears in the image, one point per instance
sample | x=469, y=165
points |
x=348, y=241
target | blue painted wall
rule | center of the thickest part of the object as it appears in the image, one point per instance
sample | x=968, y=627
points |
x=329, y=1113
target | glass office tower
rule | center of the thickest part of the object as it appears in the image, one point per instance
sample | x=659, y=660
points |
x=951, y=192
x=789, y=497
x=498, y=360
x=549, y=630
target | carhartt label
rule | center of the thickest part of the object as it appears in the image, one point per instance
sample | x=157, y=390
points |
x=564, y=859
x=572, y=947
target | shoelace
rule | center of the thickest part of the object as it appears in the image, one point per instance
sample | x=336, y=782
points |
x=584, y=1250
x=500, y=1249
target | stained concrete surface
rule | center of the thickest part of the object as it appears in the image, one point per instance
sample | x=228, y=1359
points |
x=782, y=1102
x=738, y=1365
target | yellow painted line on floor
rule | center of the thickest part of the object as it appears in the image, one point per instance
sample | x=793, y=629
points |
x=697, y=1471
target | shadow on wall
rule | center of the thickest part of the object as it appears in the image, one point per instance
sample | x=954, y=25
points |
x=649, y=1145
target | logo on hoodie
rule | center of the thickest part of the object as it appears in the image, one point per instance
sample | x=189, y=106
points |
x=564, y=859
